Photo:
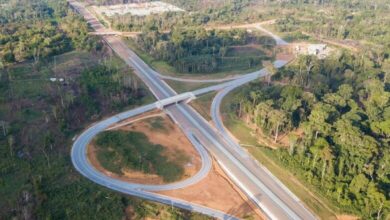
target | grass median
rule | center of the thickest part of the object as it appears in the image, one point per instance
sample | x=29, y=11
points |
x=134, y=151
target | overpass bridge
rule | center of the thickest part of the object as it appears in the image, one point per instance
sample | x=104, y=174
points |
x=187, y=97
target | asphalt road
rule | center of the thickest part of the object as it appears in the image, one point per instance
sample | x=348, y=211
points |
x=258, y=184
x=82, y=165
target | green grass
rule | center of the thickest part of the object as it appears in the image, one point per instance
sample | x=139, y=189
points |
x=249, y=51
x=203, y=105
x=289, y=36
x=238, y=128
x=315, y=203
x=133, y=150
x=181, y=87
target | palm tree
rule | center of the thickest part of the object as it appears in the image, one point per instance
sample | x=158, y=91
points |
x=327, y=157
x=254, y=96
x=271, y=70
x=278, y=119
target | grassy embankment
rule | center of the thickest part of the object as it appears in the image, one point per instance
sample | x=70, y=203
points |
x=203, y=105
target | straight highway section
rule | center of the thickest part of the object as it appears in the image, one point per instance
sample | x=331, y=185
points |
x=257, y=184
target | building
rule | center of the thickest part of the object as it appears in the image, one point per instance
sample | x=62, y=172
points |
x=319, y=50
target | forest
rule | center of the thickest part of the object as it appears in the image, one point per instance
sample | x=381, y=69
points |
x=38, y=29
x=196, y=50
x=336, y=115
x=367, y=27
x=42, y=40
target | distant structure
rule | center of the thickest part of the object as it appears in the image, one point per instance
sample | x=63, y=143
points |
x=137, y=9
x=57, y=79
x=319, y=50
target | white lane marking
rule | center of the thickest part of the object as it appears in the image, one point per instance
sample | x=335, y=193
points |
x=267, y=191
x=248, y=192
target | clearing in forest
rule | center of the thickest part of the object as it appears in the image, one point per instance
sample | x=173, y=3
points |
x=137, y=9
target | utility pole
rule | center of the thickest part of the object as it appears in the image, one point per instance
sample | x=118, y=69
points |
x=55, y=65
x=4, y=128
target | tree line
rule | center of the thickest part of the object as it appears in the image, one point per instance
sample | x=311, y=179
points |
x=196, y=50
x=335, y=114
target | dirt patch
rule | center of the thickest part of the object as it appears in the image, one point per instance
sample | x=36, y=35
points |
x=347, y=217
x=218, y=192
x=267, y=140
x=284, y=53
x=284, y=139
x=240, y=26
x=165, y=133
x=137, y=9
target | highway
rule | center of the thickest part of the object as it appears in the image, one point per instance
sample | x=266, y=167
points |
x=82, y=165
x=257, y=183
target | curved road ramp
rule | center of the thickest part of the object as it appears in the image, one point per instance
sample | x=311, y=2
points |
x=81, y=163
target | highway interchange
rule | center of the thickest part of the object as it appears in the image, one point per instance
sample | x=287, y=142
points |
x=259, y=185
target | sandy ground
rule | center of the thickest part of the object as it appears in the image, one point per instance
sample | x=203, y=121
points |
x=218, y=192
x=347, y=217
x=172, y=138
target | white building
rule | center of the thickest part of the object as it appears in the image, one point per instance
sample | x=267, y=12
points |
x=316, y=49
x=319, y=50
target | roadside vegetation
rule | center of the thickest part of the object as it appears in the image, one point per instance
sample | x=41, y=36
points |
x=54, y=81
x=360, y=24
x=332, y=116
x=118, y=150
x=196, y=50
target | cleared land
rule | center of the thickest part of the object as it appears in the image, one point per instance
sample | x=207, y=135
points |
x=216, y=191
x=137, y=9
x=159, y=130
